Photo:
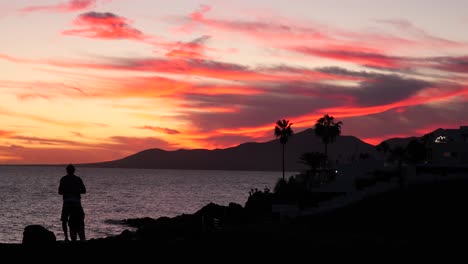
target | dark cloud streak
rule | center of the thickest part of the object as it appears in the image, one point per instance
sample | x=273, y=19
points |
x=160, y=129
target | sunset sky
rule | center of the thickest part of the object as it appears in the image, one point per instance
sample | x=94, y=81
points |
x=96, y=80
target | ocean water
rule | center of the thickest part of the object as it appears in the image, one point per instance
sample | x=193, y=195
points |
x=29, y=195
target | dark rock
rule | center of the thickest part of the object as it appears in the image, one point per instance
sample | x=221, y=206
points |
x=212, y=210
x=138, y=222
x=126, y=235
x=212, y=216
x=165, y=229
x=235, y=207
x=235, y=214
x=38, y=235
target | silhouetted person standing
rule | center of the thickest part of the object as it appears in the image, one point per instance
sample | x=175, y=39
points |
x=71, y=187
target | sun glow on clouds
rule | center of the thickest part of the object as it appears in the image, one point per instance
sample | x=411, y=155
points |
x=209, y=80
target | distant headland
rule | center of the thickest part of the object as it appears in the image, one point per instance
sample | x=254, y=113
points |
x=266, y=156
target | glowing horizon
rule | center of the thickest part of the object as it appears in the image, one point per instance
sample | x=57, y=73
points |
x=96, y=80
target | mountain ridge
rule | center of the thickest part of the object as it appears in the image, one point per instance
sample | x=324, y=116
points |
x=254, y=156
x=249, y=156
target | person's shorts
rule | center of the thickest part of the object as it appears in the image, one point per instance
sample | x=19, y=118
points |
x=73, y=214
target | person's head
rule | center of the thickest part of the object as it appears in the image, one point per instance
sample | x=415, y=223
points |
x=70, y=169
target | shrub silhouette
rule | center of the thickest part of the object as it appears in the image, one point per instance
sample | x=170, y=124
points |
x=259, y=202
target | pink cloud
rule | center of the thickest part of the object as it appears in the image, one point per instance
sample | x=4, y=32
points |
x=194, y=49
x=197, y=67
x=355, y=56
x=426, y=39
x=70, y=6
x=210, y=69
x=104, y=26
x=453, y=64
x=322, y=40
x=280, y=33
x=269, y=32
x=14, y=59
x=425, y=96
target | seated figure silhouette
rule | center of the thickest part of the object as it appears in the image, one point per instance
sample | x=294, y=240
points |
x=71, y=187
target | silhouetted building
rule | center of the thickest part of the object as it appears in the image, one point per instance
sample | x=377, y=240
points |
x=449, y=146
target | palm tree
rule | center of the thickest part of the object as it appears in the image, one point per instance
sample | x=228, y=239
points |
x=312, y=159
x=328, y=130
x=283, y=131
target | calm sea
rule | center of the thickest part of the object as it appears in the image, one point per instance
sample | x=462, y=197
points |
x=28, y=195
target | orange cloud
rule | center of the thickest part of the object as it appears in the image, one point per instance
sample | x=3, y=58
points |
x=222, y=104
x=77, y=134
x=6, y=134
x=31, y=150
x=53, y=155
x=7, y=159
x=41, y=119
x=25, y=90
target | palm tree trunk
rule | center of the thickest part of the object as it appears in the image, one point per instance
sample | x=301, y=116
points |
x=326, y=155
x=400, y=174
x=283, y=162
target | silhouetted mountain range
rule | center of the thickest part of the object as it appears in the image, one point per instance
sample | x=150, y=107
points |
x=451, y=134
x=394, y=142
x=248, y=156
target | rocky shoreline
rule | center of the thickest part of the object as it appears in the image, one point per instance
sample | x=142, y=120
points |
x=424, y=216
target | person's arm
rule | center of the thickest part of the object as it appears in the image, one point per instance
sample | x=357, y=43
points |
x=83, y=188
x=60, y=190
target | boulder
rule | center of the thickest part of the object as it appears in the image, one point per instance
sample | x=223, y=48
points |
x=38, y=235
